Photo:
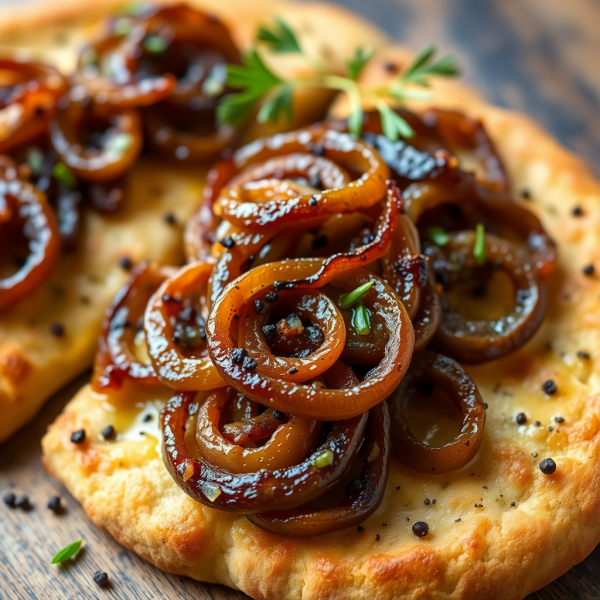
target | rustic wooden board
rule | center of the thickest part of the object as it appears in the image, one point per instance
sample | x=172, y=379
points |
x=536, y=56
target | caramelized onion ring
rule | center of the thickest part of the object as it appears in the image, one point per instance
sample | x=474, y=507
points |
x=475, y=340
x=287, y=446
x=363, y=495
x=29, y=93
x=175, y=367
x=449, y=376
x=120, y=142
x=25, y=206
x=116, y=359
x=263, y=489
x=322, y=404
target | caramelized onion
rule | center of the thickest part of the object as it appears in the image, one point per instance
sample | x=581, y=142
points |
x=449, y=376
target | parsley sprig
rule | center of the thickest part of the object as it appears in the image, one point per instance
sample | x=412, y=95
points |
x=257, y=83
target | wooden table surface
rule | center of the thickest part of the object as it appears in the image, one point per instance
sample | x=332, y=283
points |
x=536, y=56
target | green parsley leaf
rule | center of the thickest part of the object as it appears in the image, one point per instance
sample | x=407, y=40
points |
x=392, y=124
x=347, y=300
x=438, y=235
x=357, y=63
x=64, y=175
x=255, y=80
x=280, y=37
x=422, y=67
x=361, y=320
x=67, y=552
x=480, y=250
x=280, y=103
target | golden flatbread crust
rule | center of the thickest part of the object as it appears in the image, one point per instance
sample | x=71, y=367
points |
x=498, y=551
x=33, y=363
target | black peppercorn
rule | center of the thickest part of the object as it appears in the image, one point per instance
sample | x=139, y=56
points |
x=54, y=504
x=269, y=331
x=547, y=466
x=170, y=218
x=420, y=529
x=360, y=529
x=227, y=242
x=78, y=437
x=271, y=296
x=101, y=578
x=521, y=418
x=125, y=263
x=559, y=419
x=278, y=415
x=9, y=499
x=57, y=330
x=577, y=211
x=108, y=433
x=238, y=355
x=249, y=364
x=293, y=371
x=427, y=502
x=23, y=503
x=259, y=306
x=549, y=387
x=589, y=269
x=313, y=201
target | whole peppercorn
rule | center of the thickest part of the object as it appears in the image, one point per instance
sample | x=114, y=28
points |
x=109, y=432
x=547, y=466
x=521, y=418
x=101, y=578
x=420, y=529
x=549, y=387
x=78, y=437
x=54, y=504
x=9, y=499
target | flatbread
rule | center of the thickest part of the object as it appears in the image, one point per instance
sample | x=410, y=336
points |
x=33, y=363
x=499, y=528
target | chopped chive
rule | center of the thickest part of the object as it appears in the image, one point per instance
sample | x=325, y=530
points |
x=361, y=321
x=120, y=143
x=35, y=160
x=347, y=300
x=324, y=460
x=67, y=552
x=123, y=26
x=155, y=44
x=479, y=250
x=62, y=173
x=438, y=235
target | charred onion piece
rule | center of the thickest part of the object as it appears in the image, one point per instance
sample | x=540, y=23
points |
x=97, y=142
x=179, y=365
x=24, y=211
x=238, y=203
x=363, y=495
x=477, y=340
x=449, y=376
x=263, y=489
x=116, y=359
x=29, y=93
x=287, y=395
x=288, y=444
x=428, y=317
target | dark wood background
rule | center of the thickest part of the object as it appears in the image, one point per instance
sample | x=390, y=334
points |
x=537, y=56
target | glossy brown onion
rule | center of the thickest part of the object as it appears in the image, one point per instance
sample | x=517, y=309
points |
x=175, y=366
x=116, y=359
x=263, y=489
x=477, y=340
x=429, y=316
x=29, y=93
x=447, y=375
x=97, y=142
x=288, y=444
x=24, y=207
x=363, y=495
x=243, y=207
x=479, y=203
x=287, y=395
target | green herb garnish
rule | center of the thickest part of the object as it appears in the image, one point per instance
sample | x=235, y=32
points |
x=257, y=83
x=479, y=250
x=361, y=320
x=324, y=460
x=347, y=300
x=438, y=235
x=64, y=175
x=67, y=552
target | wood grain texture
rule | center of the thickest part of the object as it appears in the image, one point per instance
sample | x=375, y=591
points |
x=536, y=56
